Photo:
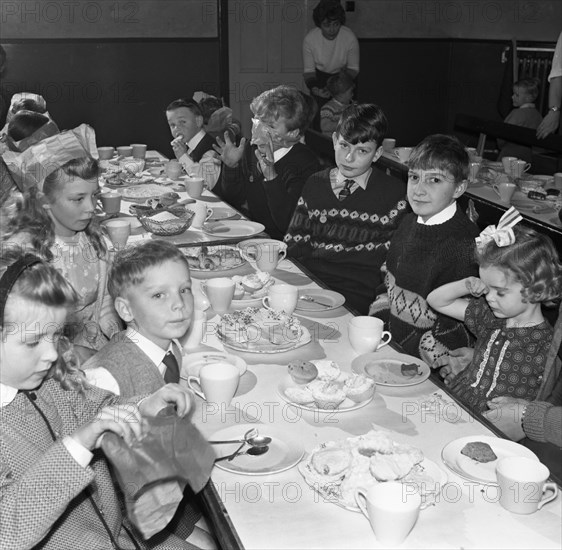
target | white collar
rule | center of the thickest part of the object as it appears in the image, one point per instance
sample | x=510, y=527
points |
x=280, y=153
x=7, y=395
x=441, y=217
x=527, y=106
x=194, y=141
x=360, y=180
x=154, y=352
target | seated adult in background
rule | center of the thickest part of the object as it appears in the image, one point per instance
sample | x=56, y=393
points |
x=265, y=180
x=328, y=49
x=192, y=146
x=551, y=121
x=26, y=128
x=347, y=215
x=434, y=245
x=525, y=92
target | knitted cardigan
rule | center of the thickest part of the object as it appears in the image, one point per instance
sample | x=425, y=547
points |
x=43, y=503
x=344, y=243
x=421, y=258
x=273, y=202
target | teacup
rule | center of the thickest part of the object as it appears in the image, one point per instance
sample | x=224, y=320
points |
x=105, y=153
x=505, y=191
x=392, y=508
x=194, y=187
x=118, y=231
x=265, y=253
x=220, y=292
x=403, y=153
x=522, y=484
x=173, y=169
x=473, y=169
x=519, y=167
x=366, y=334
x=139, y=150
x=388, y=144
x=217, y=382
x=506, y=161
x=125, y=151
x=111, y=202
x=202, y=213
x=281, y=298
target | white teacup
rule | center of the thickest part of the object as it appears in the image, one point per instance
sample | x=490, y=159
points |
x=403, y=153
x=522, y=484
x=220, y=292
x=173, y=169
x=139, y=150
x=106, y=153
x=504, y=191
x=202, y=213
x=506, y=161
x=118, y=231
x=473, y=169
x=388, y=144
x=392, y=508
x=218, y=382
x=366, y=334
x=281, y=298
x=194, y=187
x=265, y=253
x=519, y=167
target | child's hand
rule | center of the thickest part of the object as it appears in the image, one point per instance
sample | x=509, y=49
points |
x=266, y=160
x=123, y=420
x=476, y=286
x=229, y=153
x=506, y=413
x=179, y=147
x=170, y=394
x=456, y=361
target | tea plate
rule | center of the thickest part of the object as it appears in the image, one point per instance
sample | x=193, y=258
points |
x=481, y=472
x=233, y=228
x=334, y=299
x=525, y=204
x=222, y=213
x=386, y=368
x=140, y=193
x=285, y=450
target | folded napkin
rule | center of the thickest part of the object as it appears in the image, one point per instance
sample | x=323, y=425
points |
x=153, y=471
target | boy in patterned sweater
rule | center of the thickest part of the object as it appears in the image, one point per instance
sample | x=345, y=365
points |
x=433, y=246
x=345, y=217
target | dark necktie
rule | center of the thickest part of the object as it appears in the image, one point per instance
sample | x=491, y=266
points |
x=346, y=191
x=172, y=374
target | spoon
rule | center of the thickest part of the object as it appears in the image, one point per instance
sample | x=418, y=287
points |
x=307, y=298
x=251, y=437
x=252, y=451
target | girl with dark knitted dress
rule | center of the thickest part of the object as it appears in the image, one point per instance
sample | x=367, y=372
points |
x=519, y=269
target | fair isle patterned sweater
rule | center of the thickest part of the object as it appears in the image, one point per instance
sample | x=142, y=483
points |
x=344, y=243
x=422, y=258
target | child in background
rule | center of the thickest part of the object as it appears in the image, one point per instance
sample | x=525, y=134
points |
x=56, y=490
x=217, y=119
x=28, y=128
x=525, y=92
x=347, y=215
x=151, y=288
x=434, y=245
x=519, y=269
x=56, y=219
x=341, y=88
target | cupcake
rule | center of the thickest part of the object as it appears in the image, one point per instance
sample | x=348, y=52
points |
x=328, y=396
x=300, y=396
x=327, y=370
x=302, y=372
x=359, y=388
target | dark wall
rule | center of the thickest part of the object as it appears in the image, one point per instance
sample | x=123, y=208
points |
x=121, y=88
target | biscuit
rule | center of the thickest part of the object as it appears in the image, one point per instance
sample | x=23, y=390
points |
x=479, y=451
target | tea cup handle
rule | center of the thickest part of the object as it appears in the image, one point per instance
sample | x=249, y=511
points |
x=265, y=302
x=383, y=341
x=209, y=213
x=496, y=189
x=548, y=487
x=361, y=500
x=195, y=380
x=282, y=254
x=527, y=166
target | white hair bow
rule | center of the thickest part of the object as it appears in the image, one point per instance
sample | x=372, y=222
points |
x=503, y=234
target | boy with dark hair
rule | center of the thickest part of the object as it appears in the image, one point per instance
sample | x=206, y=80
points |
x=434, y=245
x=346, y=216
x=192, y=146
x=265, y=180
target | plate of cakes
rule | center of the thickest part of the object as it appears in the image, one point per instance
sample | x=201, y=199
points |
x=261, y=330
x=249, y=289
x=388, y=368
x=335, y=469
x=321, y=385
x=475, y=457
x=220, y=258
